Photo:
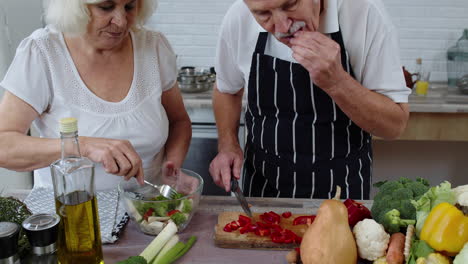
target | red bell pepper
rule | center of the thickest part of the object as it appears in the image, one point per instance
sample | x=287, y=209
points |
x=148, y=213
x=286, y=214
x=243, y=220
x=227, y=228
x=172, y=212
x=356, y=212
x=302, y=220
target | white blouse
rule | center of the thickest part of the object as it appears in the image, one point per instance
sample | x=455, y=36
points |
x=43, y=75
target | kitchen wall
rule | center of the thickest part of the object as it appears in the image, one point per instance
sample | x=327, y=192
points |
x=427, y=28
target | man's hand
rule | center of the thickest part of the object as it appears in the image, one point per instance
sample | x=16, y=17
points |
x=226, y=164
x=117, y=156
x=321, y=56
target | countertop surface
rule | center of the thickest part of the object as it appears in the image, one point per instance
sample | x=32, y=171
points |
x=132, y=242
x=439, y=99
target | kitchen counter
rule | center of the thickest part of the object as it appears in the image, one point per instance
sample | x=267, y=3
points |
x=132, y=242
x=439, y=99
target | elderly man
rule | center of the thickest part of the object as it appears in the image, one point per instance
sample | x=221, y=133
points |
x=321, y=80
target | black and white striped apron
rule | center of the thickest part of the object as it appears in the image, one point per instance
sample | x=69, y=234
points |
x=299, y=143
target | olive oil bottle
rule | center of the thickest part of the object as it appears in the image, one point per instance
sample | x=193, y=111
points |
x=79, y=239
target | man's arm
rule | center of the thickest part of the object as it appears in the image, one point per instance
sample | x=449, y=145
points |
x=373, y=112
x=228, y=162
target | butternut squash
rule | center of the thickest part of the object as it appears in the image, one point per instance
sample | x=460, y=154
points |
x=329, y=239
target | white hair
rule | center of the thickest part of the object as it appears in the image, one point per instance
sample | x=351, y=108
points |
x=72, y=16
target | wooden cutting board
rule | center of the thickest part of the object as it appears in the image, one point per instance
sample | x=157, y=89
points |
x=249, y=240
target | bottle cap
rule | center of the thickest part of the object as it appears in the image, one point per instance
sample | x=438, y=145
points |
x=9, y=234
x=68, y=125
x=42, y=232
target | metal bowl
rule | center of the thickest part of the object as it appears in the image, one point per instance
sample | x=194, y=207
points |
x=196, y=87
x=196, y=79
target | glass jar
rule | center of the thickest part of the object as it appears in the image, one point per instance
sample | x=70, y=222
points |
x=457, y=60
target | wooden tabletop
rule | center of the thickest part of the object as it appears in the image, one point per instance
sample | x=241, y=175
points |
x=132, y=241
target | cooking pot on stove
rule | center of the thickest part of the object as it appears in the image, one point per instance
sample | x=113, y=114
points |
x=196, y=79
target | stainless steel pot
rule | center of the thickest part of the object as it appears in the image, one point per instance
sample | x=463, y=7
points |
x=194, y=80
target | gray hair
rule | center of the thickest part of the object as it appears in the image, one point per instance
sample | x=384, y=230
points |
x=72, y=16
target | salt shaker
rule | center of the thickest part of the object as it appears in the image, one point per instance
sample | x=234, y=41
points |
x=9, y=234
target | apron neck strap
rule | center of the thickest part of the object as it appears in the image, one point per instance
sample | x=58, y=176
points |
x=261, y=42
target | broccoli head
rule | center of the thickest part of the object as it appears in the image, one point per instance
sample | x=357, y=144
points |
x=398, y=195
x=392, y=222
x=178, y=218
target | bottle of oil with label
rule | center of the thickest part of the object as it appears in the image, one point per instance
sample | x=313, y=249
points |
x=79, y=238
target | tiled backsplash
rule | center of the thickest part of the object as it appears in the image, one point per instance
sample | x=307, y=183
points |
x=427, y=28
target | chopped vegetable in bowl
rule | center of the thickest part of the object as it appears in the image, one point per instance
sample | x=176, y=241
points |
x=153, y=214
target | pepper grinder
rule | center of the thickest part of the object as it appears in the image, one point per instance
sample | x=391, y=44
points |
x=42, y=233
x=9, y=234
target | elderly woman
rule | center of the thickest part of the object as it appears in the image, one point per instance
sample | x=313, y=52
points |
x=95, y=61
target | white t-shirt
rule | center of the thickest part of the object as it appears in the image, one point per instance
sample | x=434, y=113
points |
x=43, y=75
x=368, y=34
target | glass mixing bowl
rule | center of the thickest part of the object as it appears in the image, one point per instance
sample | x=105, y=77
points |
x=153, y=213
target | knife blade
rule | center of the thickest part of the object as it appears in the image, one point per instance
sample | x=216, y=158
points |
x=235, y=188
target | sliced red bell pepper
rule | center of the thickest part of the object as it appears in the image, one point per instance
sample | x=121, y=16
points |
x=302, y=220
x=276, y=217
x=227, y=228
x=172, y=212
x=356, y=212
x=286, y=214
x=234, y=225
x=148, y=213
x=262, y=232
x=243, y=220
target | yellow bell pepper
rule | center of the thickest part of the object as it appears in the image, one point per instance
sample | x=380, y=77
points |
x=445, y=229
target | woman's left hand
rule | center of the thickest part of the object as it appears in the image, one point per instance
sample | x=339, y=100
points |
x=321, y=56
x=176, y=178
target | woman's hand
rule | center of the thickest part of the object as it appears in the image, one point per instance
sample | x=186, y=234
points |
x=226, y=164
x=117, y=156
x=177, y=179
x=321, y=56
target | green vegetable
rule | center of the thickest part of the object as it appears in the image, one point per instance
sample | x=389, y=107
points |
x=134, y=260
x=186, y=206
x=462, y=257
x=392, y=221
x=171, y=254
x=419, y=249
x=431, y=198
x=398, y=195
x=158, y=243
x=188, y=246
x=179, y=218
x=169, y=245
x=13, y=210
x=177, y=251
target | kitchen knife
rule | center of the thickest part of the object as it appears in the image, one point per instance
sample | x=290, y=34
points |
x=235, y=188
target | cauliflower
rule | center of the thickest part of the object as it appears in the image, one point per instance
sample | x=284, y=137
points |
x=434, y=258
x=371, y=239
x=461, y=192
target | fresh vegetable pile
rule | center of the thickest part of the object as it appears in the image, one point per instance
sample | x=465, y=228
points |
x=164, y=249
x=412, y=223
x=153, y=217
